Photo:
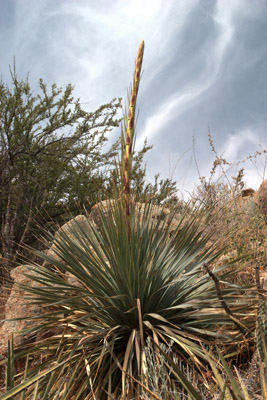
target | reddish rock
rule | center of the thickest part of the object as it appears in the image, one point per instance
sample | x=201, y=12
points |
x=17, y=307
x=247, y=192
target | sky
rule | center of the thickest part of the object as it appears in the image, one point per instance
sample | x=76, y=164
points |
x=204, y=70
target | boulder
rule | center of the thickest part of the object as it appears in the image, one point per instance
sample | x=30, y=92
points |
x=66, y=229
x=247, y=192
x=157, y=212
x=17, y=307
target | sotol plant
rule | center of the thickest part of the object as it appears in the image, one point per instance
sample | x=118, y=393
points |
x=133, y=277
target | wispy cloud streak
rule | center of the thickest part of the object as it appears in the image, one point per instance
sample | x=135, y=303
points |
x=184, y=98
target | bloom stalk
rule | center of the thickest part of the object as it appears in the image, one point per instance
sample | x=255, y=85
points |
x=129, y=136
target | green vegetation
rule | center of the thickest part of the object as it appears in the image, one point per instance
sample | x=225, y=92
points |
x=150, y=312
x=50, y=157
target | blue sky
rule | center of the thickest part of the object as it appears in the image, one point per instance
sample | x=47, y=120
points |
x=205, y=68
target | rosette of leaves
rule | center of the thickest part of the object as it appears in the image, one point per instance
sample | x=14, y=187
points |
x=91, y=340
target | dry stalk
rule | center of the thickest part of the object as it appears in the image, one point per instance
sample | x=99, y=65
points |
x=223, y=302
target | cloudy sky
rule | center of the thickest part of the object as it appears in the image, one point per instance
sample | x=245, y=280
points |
x=205, y=68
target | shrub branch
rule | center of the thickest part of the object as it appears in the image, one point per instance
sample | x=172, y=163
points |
x=223, y=302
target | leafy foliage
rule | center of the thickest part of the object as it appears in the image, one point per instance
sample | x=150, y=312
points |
x=51, y=155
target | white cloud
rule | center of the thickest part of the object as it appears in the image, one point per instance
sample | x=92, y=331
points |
x=95, y=43
x=184, y=98
x=241, y=145
x=236, y=143
x=169, y=110
x=116, y=32
x=253, y=177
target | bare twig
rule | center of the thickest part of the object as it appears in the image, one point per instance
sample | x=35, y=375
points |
x=223, y=302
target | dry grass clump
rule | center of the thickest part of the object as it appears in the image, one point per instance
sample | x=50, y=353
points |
x=237, y=224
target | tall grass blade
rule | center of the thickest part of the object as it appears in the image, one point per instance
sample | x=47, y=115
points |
x=10, y=368
x=219, y=378
x=29, y=382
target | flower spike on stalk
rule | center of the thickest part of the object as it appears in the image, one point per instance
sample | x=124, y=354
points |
x=129, y=135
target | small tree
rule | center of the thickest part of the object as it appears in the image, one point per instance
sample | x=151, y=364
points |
x=50, y=156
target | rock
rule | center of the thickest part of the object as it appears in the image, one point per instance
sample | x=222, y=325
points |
x=157, y=212
x=17, y=307
x=66, y=229
x=247, y=192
